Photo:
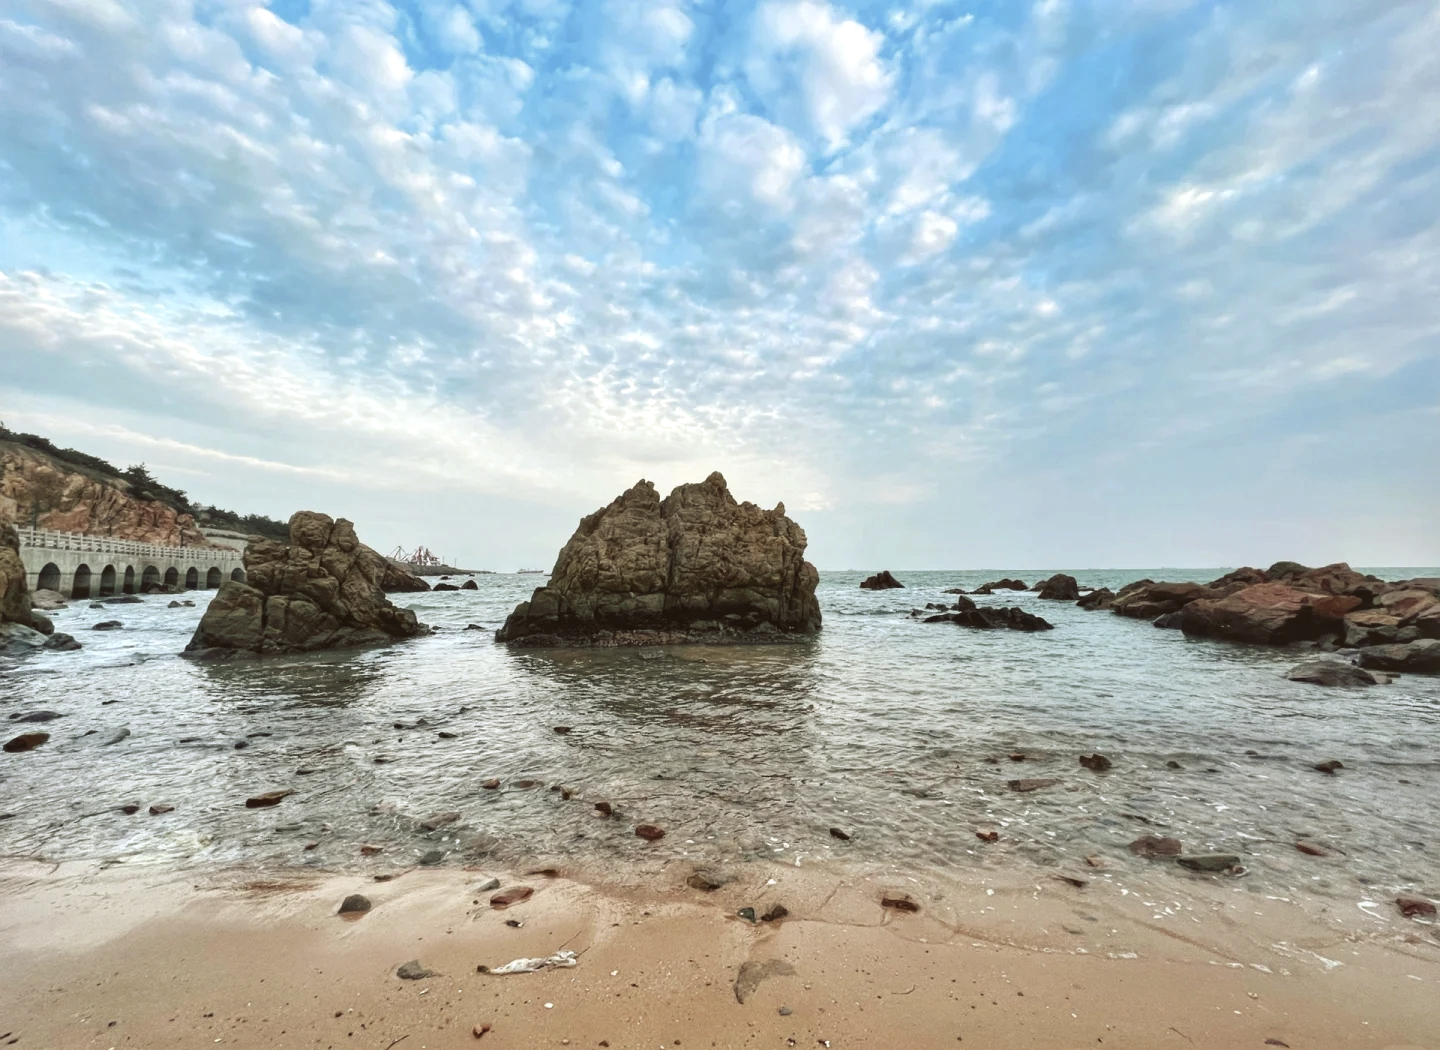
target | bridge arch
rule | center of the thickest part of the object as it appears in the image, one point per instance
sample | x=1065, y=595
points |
x=172, y=577
x=80, y=587
x=192, y=578
x=213, y=578
x=238, y=575
x=149, y=578
x=129, y=586
x=49, y=578
x=107, y=581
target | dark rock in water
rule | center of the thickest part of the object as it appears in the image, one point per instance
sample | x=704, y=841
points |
x=1170, y=620
x=1172, y=764
x=174, y=605
x=707, y=880
x=269, y=798
x=432, y=857
x=129, y=808
x=1001, y=585
x=1417, y=657
x=161, y=808
x=1413, y=907
x=26, y=742
x=97, y=605
x=836, y=833
x=753, y=972
x=1100, y=599
x=114, y=738
x=1310, y=849
x=445, y=587
x=125, y=599
x=322, y=591
x=493, y=784
x=440, y=820
x=694, y=567
x=748, y=914
x=649, y=832
x=525, y=785
x=881, y=581
x=108, y=625
x=1209, y=862
x=1147, y=600
x=987, y=834
x=1098, y=762
x=398, y=579
x=1059, y=588
x=241, y=745
x=989, y=617
x=355, y=904
x=469, y=585
x=37, y=716
x=1156, y=846
x=1331, y=672
x=1329, y=766
x=899, y=901
x=603, y=809
x=476, y=627
x=42, y=623
x=775, y=913
x=1032, y=783
x=562, y=730
x=1268, y=614
x=445, y=734
x=954, y=590
x=413, y=971
x=62, y=642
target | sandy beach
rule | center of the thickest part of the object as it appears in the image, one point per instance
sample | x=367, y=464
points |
x=93, y=957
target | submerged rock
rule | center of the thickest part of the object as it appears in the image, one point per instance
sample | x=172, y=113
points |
x=1156, y=846
x=881, y=581
x=322, y=591
x=694, y=567
x=413, y=971
x=398, y=579
x=26, y=742
x=1098, y=599
x=355, y=904
x=989, y=617
x=752, y=973
x=1209, y=862
x=1331, y=672
x=1418, y=657
x=17, y=638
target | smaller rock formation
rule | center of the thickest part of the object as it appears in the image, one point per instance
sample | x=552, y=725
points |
x=14, y=592
x=1418, y=657
x=1145, y=600
x=881, y=581
x=398, y=579
x=322, y=591
x=989, y=617
x=1333, y=673
x=1098, y=599
x=1001, y=585
x=1059, y=588
x=695, y=567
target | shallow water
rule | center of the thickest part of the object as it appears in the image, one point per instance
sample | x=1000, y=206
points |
x=881, y=727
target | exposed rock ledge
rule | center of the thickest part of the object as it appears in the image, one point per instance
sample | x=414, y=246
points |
x=694, y=567
x=322, y=591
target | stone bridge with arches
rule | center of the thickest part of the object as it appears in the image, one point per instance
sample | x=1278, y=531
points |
x=83, y=566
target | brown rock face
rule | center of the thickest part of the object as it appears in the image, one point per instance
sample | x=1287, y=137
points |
x=322, y=591
x=398, y=579
x=881, y=581
x=696, y=566
x=1268, y=614
x=38, y=491
x=14, y=593
x=1149, y=600
x=1060, y=588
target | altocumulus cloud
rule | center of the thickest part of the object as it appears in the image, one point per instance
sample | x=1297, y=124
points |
x=985, y=283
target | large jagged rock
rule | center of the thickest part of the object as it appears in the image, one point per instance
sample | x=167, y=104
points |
x=322, y=591
x=1097, y=599
x=1145, y=600
x=694, y=567
x=14, y=591
x=1417, y=657
x=1268, y=614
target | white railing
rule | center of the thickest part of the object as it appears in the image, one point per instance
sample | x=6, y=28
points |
x=50, y=539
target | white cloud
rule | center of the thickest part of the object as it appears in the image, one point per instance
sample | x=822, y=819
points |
x=840, y=73
x=746, y=157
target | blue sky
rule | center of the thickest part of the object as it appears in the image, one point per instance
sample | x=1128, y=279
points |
x=1052, y=283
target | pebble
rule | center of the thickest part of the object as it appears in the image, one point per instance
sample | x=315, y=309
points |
x=514, y=895
x=1310, y=849
x=1098, y=762
x=493, y=784
x=480, y=1029
x=562, y=730
x=488, y=885
x=268, y=799
x=1411, y=906
x=108, y=625
x=1032, y=784
x=775, y=914
x=1209, y=862
x=355, y=904
x=161, y=807
x=987, y=834
x=836, y=833
x=413, y=971
x=1329, y=766
x=706, y=880
x=432, y=857
x=649, y=832
x=130, y=808
x=603, y=809
x=439, y=820
x=899, y=901
x=1156, y=846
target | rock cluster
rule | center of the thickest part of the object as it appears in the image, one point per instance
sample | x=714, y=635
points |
x=989, y=617
x=322, y=591
x=1289, y=602
x=694, y=567
x=1000, y=585
x=881, y=581
x=1060, y=588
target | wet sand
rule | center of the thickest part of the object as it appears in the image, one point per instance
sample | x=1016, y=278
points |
x=159, y=958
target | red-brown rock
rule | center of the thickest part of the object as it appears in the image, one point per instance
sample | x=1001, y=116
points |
x=1268, y=614
x=1411, y=906
x=514, y=895
x=649, y=832
x=1155, y=846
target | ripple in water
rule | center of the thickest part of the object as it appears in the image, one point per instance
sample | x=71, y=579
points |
x=894, y=731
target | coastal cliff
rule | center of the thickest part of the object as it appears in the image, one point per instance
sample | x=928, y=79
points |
x=40, y=491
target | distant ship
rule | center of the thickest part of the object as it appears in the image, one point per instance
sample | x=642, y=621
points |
x=532, y=572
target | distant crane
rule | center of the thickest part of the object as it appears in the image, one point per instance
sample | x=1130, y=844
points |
x=419, y=556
